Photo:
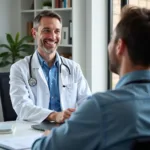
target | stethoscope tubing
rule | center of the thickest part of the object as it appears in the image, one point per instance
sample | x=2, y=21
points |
x=32, y=81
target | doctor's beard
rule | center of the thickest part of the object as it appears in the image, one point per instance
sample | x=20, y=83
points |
x=48, y=51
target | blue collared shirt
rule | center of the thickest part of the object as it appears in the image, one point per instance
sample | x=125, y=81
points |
x=111, y=120
x=52, y=77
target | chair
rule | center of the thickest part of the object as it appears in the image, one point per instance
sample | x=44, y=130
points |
x=8, y=111
x=143, y=144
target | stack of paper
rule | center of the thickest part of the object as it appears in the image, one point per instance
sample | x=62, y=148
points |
x=18, y=143
x=6, y=128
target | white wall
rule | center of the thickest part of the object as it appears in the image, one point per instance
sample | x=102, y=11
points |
x=9, y=23
x=96, y=44
x=79, y=33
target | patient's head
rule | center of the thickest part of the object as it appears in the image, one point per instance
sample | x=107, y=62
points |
x=130, y=43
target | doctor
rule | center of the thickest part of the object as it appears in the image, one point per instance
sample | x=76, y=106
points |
x=45, y=85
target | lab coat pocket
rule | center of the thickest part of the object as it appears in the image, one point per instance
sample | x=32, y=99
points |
x=71, y=95
x=71, y=90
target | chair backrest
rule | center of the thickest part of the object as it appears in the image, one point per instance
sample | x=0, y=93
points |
x=143, y=144
x=8, y=111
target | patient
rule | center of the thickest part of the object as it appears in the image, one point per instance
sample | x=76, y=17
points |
x=114, y=119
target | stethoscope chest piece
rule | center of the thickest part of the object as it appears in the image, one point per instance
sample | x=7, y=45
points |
x=32, y=82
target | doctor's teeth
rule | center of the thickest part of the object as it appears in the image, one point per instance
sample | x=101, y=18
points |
x=50, y=42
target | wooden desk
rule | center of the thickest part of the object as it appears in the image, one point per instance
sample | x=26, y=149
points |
x=22, y=128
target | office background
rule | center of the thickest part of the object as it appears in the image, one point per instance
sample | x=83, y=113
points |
x=94, y=15
x=99, y=19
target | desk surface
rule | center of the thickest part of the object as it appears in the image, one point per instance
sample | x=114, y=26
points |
x=22, y=128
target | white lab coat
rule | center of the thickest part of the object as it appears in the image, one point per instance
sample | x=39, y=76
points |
x=31, y=103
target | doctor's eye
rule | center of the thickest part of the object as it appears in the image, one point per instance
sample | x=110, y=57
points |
x=46, y=31
x=57, y=31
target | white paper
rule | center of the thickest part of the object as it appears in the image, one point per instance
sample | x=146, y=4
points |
x=18, y=143
x=6, y=128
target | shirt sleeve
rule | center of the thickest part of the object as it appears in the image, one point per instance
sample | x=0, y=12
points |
x=81, y=131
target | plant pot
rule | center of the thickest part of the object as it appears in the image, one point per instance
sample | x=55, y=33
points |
x=46, y=7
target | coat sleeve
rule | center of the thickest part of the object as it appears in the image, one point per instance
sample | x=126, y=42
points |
x=81, y=132
x=83, y=91
x=22, y=103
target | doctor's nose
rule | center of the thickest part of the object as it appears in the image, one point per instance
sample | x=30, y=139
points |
x=52, y=35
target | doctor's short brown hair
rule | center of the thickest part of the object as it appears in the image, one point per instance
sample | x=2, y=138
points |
x=45, y=13
x=134, y=29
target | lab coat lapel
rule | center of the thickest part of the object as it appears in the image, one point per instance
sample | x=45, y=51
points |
x=42, y=86
x=37, y=69
x=64, y=75
x=63, y=82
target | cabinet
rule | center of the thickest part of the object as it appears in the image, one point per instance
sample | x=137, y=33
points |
x=74, y=15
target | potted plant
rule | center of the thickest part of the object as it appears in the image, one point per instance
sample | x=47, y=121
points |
x=15, y=49
x=47, y=4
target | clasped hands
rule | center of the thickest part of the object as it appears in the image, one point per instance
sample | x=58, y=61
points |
x=60, y=117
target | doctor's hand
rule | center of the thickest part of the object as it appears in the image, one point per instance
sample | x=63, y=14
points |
x=60, y=117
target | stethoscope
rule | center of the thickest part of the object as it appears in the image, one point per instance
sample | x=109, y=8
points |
x=32, y=81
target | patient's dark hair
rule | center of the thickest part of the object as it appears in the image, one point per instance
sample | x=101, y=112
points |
x=134, y=29
x=46, y=13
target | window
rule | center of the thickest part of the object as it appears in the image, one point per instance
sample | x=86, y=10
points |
x=116, y=15
x=141, y=3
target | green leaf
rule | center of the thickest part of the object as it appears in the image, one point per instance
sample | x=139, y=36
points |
x=4, y=59
x=17, y=37
x=4, y=54
x=5, y=46
x=29, y=50
x=3, y=64
x=21, y=57
x=23, y=46
x=10, y=39
x=16, y=49
x=25, y=39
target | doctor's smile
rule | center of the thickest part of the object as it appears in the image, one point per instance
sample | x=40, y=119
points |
x=49, y=44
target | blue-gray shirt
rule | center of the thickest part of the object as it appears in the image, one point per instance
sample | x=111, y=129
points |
x=109, y=121
x=52, y=77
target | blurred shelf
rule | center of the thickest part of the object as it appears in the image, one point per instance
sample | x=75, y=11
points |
x=55, y=9
x=68, y=45
x=27, y=11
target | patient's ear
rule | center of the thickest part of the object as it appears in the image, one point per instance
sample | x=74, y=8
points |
x=33, y=31
x=120, y=47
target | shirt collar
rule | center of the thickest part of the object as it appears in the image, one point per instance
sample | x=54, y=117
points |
x=43, y=62
x=133, y=76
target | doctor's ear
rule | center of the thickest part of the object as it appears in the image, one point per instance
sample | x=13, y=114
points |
x=34, y=32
